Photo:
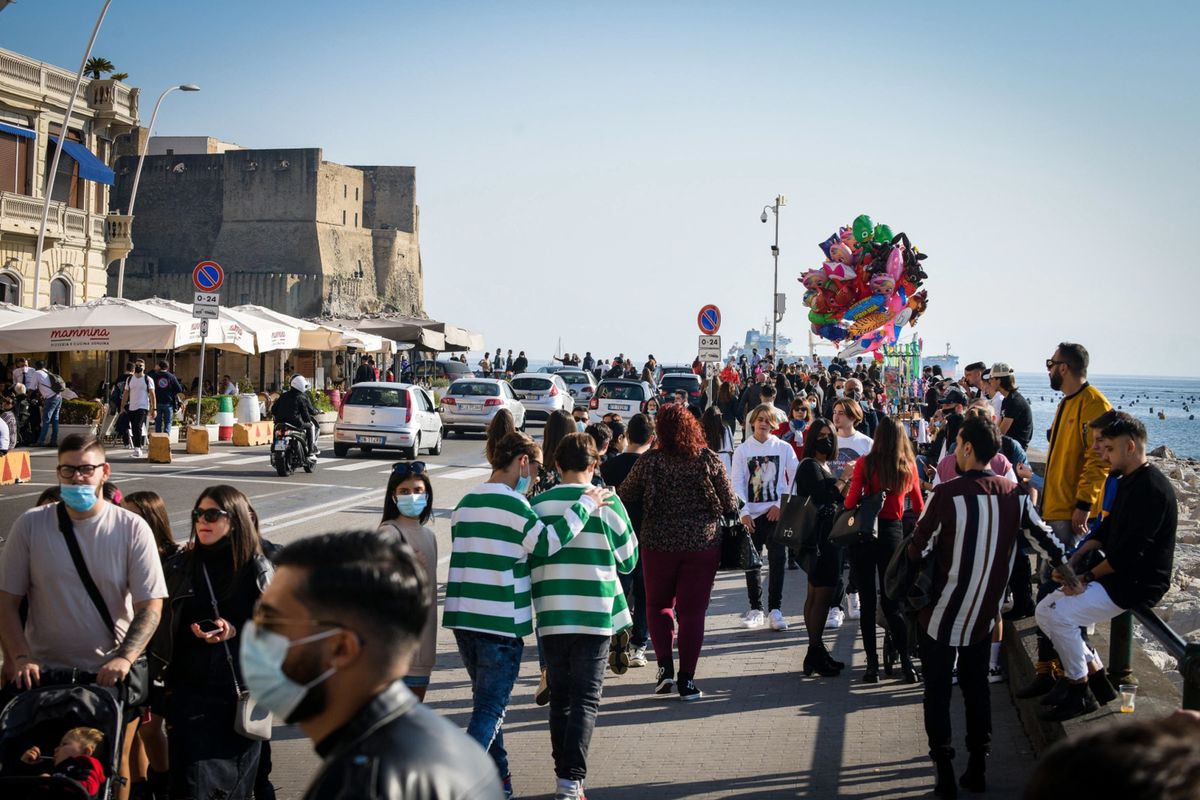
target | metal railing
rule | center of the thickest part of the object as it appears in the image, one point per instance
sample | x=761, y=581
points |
x=1120, y=655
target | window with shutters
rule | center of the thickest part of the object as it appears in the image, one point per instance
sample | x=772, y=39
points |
x=10, y=288
x=60, y=292
x=14, y=163
x=68, y=188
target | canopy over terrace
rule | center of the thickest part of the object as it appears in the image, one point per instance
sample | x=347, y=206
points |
x=425, y=334
x=267, y=335
x=10, y=313
x=106, y=324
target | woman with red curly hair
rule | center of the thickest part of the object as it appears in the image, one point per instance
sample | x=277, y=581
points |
x=683, y=490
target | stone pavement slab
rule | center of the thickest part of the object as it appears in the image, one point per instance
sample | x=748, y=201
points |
x=761, y=731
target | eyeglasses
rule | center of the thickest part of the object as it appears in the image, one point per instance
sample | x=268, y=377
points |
x=67, y=471
x=403, y=468
x=1051, y=363
x=264, y=622
x=209, y=515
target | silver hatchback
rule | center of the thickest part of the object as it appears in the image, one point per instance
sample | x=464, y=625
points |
x=472, y=404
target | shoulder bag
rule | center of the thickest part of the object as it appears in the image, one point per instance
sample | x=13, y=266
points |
x=248, y=719
x=797, y=518
x=137, y=682
x=737, y=545
x=858, y=525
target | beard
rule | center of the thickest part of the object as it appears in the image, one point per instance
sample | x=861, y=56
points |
x=1056, y=381
x=307, y=669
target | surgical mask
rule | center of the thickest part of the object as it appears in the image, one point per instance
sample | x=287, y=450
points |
x=79, y=498
x=411, y=505
x=262, y=655
x=580, y=426
x=824, y=446
x=840, y=392
x=523, y=484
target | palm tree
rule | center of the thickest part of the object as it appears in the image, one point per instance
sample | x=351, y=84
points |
x=97, y=66
x=119, y=76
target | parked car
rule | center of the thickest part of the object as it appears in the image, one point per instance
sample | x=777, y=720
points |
x=690, y=383
x=622, y=397
x=542, y=393
x=471, y=404
x=428, y=369
x=392, y=416
x=580, y=383
x=553, y=368
x=673, y=369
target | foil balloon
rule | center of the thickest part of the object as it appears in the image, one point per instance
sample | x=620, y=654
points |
x=828, y=244
x=864, y=229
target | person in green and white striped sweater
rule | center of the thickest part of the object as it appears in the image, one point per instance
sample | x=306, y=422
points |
x=493, y=532
x=582, y=616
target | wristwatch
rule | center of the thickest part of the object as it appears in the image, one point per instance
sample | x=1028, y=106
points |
x=1088, y=576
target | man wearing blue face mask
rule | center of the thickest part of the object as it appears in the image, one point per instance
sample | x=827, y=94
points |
x=328, y=649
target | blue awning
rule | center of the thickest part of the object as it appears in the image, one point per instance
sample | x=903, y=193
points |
x=15, y=131
x=90, y=167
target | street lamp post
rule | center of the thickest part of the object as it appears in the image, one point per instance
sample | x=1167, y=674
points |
x=780, y=201
x=62, y=136
x=137, y=175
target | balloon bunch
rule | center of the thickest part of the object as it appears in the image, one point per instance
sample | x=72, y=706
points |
x=867, y=289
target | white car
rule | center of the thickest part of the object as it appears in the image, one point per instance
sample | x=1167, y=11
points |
x=393, y=416
x=542, y=393
x=580, y=383
x=625, y=398
x=471, y=405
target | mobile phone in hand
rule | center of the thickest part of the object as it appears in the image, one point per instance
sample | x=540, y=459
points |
x=209, y=626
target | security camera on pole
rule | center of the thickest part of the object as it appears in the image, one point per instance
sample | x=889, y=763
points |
x=777, y=302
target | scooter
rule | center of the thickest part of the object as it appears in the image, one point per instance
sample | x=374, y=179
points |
x=288, y=450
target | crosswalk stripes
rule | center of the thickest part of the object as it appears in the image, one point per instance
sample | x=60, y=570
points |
x=354, y=465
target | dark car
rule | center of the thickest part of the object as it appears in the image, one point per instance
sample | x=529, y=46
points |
x=672, y=382
x=429, y=369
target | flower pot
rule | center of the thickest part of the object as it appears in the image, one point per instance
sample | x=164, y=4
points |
x=67, y=430
x=325, y=422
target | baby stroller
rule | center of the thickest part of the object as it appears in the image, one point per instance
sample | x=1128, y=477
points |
x=65, y=699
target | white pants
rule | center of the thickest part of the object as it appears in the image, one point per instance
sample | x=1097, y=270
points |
x=1060, y=617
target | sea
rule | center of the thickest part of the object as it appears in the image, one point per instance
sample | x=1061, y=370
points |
x=1144, y=397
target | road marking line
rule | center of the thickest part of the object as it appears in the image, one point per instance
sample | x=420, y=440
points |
x=355, y=465
x=325, y=509
x=197, y=457
x=265, y=459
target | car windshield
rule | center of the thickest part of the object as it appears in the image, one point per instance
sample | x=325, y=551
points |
x=673, y=382
x=377, y=396
x=619, y=391
x=532, y=384
x=472, y=389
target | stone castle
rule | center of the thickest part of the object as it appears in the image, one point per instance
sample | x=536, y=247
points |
x=292, y=231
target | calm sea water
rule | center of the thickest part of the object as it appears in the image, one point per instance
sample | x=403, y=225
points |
x=1177, y=398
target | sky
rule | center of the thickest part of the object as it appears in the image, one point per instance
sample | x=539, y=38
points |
x=596, y=171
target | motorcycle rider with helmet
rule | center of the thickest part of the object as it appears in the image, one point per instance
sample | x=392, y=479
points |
x=296, y=409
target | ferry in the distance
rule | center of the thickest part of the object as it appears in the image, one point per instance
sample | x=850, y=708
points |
x=948, y=362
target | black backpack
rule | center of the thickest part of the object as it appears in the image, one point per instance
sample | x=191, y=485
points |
x=57, y=384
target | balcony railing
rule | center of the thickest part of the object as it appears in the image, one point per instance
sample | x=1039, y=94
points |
x=23, y=214
x=111, y=100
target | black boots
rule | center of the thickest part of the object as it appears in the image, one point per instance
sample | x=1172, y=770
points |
x=1042, y=683
x=973, y=779
x=945, y=786
x=1101, y=688
x=817, y=660
x=1078, y=701
x=871, y=673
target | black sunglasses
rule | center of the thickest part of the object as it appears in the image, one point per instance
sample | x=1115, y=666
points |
x=403, y=468
x=209, y=515
x=1051, y=363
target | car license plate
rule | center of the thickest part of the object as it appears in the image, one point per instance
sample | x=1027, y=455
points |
x=619, y=407
x=369, y=439
x=281, y=444
x=472, y=407
x=522, y=396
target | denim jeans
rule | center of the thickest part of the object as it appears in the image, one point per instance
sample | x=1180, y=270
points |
x=493, y=663
x=634, y=587
x=162, y=421
x=575, y=665
x=50, y=409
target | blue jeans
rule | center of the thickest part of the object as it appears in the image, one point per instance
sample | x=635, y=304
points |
x=50, y=409
x=575, y=665
x=493, y=663
x=162, y=421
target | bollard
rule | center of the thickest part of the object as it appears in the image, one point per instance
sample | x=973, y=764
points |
x=1189, y=668
x=1120, y=650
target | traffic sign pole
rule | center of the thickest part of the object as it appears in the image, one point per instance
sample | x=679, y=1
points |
x=207, y=278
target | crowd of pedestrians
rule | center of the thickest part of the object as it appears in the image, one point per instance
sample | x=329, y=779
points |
x=602, y=542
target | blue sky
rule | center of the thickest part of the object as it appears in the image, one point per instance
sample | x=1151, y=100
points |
x=596, y=171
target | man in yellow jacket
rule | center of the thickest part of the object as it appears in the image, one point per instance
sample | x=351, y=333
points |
x=1075, y=472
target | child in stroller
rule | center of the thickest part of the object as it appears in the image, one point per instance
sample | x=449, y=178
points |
x=72, y=759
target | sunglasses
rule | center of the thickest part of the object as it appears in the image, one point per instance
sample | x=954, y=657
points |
x=404, y=468
x=1051, y=363
x=209, y=515
x=67, y=472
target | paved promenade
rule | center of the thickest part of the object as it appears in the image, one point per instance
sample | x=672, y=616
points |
x=762, y=730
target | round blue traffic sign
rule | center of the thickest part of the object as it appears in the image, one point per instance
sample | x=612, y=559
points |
x=208, y=276
x=709, y=319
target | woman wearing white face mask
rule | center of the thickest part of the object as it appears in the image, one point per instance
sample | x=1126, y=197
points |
x=407, y=508
x=488, y=605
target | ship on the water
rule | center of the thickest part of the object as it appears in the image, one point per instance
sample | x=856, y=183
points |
x=760, y=340
x=948, y=362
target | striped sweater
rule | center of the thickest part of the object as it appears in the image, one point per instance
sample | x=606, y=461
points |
x=577, y=590
x=493, y=531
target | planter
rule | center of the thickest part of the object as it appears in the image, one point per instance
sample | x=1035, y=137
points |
x=67, y=430
x=325, y=422
x=213, y=433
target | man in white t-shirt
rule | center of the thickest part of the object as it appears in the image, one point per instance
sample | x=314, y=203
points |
x=138, y=399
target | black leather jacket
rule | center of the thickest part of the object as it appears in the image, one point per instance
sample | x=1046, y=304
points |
x=397, y=748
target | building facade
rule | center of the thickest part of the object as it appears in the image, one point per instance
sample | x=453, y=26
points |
x=81, y=236
x=292, y=231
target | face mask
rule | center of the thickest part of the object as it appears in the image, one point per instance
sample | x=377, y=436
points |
x=78, y=498
x=824, y=446
x=839, y=392
x=262, y=656
x=411, y=505
x=523, y=484
x=580, y=426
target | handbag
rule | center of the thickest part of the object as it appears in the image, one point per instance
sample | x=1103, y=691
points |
x=797, y=519
x=248, y=719
x=857, y=525
x=137, y=682
x=737, y=546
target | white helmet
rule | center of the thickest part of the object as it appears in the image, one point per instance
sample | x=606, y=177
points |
x=300, y=383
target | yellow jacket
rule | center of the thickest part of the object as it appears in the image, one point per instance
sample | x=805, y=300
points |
x=1074, y=472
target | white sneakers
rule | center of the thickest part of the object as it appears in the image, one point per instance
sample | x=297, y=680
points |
x=778, y=623
x=137, y=452
x=996, y=674
x=637, y=656
x=835, y=619
x=853, y=606
x=753, y=619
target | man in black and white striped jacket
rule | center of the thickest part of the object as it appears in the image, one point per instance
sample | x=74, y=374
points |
x=970, y=528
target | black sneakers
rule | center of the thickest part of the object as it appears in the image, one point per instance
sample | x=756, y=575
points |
x=665, y=681
x=1079, y=701
x=618, y=652
x=688, y=690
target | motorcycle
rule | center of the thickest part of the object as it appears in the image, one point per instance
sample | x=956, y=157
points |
x=288, y=450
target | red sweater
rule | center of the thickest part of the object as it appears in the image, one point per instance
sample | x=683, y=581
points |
x=893, y=505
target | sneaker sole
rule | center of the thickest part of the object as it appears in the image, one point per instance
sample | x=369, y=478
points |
x=618, y=653
x=687, y=698
x=665, y=687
